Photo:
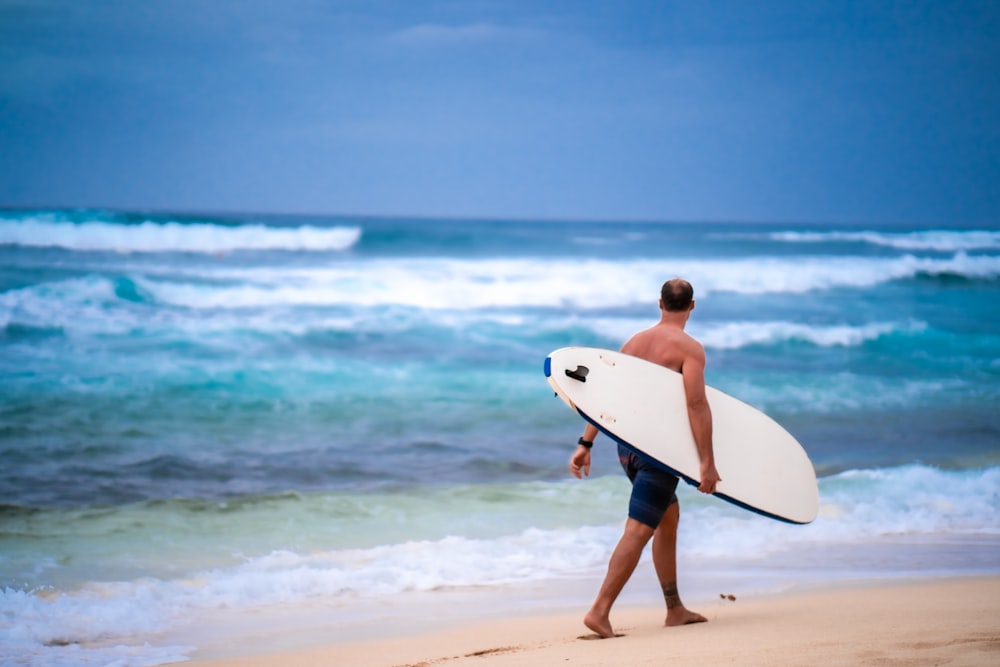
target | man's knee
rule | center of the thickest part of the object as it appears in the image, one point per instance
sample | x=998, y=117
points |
x=637, y=530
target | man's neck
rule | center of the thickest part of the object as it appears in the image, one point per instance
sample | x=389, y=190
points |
x=673, y=319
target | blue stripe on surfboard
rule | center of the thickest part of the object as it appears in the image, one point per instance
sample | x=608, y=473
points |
x=548, y=366
x=690, y=480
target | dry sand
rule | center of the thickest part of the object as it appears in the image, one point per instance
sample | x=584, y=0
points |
x=952, y=622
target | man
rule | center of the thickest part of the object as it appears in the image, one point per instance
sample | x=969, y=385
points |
x=653, y=508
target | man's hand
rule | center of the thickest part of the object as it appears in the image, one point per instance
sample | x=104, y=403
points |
x=709, y=478
x=579, y=463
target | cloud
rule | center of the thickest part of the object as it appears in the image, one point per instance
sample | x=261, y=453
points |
x=432, y=34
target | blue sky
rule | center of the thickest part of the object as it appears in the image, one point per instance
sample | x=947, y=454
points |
x=856, y=112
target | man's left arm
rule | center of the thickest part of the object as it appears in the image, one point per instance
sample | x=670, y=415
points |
x=700, y=416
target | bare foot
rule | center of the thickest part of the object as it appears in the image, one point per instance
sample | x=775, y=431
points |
x=682, y=616
x=600, y=625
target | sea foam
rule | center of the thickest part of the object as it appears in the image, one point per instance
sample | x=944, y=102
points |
x=939, y=240
x=858, y=509
x=156, y=237
x=302, y=302
x=736, y=335
x=446, y=283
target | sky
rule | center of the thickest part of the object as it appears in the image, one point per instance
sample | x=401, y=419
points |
x=868, y=111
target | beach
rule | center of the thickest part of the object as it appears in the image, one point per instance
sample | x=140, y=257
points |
x=242, y=436
x=946, y=621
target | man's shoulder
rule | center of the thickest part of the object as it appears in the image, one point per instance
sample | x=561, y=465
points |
x=694, y=342
x=682, y=338
x=691, y=348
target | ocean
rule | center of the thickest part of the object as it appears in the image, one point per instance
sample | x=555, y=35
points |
x=210, y=423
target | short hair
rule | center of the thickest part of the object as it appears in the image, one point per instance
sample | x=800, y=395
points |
x=677, y=295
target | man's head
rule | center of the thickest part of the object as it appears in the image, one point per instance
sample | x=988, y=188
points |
x=676, y=295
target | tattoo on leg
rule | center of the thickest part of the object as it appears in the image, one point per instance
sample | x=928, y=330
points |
x=671, y=595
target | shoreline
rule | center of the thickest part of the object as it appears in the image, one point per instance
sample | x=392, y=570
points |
x=951, y=620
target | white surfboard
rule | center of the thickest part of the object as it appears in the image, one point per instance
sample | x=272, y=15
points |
x=642, y=405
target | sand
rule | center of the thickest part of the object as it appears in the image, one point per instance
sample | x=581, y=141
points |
x=953, y=622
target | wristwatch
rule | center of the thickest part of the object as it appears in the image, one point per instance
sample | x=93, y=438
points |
x=586, y=443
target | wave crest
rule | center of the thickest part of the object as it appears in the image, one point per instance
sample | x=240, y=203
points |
x=735, y=335
x=940, y=240
x=156, y=237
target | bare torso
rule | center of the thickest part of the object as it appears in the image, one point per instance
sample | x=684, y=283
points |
x=665, y=345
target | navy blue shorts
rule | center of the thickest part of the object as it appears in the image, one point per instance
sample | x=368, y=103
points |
x=653, y=488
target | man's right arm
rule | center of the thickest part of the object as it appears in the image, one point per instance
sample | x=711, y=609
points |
x=579, y=463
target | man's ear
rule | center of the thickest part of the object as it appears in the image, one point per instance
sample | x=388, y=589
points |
x=691, y=307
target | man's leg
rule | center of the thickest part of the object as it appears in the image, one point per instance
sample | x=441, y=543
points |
x=623, y=561
x=665, y=562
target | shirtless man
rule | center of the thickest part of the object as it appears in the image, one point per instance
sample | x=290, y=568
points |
x=653, y=508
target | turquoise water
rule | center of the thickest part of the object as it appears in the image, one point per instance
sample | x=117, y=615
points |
x=280, y=408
